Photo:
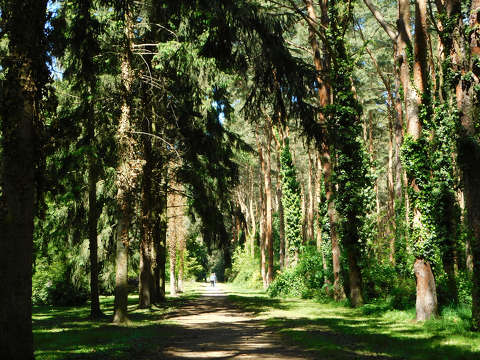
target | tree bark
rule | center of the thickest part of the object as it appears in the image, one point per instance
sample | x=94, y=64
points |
x=160, y=241
x=311, y=198
x=469, y=158
x=87, y=76
x=324, y=147
x=24, y=23
x=263, y=212
x=319, y=228
x=127, y=173
x=391, y=191
x=268, y=203
x=374, y=167
x=426, y=304
x=281, y=215
x=93, y=212
x=121, y=266
x=147, y=249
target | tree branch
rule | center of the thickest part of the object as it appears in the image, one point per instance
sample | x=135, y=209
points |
x=391, y=32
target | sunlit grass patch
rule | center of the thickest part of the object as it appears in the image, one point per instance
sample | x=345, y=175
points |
x=339, y=332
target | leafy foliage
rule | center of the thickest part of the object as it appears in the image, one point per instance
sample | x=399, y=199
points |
x=291, y=201
x=305, y=279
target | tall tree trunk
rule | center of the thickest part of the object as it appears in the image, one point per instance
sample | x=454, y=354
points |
x=121, y=265
x=400, y=39
x=127, y=173
x=324, y=147
x=311, y=198
x=181, y=266
x=281, y=215
x=426, y=304
x=262, y=235
x=254, y=225
x=160, y=240
x=268, y=203
x=319, y=228
x=373, y=157
x=263, y=216
x=391, y=189
x=93, y=212
x=176, y=231
x=147, y=248
x=88, y=78
x=172, y=253
x=469, y=158
x=304, y=216
x=24, y=23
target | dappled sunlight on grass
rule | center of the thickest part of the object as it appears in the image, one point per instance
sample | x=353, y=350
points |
x=67, y=332
x=335, y=330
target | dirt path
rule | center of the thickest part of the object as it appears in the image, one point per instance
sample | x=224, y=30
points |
x=210, y=327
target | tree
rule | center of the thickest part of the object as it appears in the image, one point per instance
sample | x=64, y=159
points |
x=23, y=22
x=469, y=153
x=291, y=205
x=324, y=96
x=83, y=73
x=128, y=170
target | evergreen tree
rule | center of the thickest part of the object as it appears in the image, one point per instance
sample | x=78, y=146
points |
x=291, y=204
x=21, y=90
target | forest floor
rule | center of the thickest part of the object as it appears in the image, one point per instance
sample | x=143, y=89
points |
x=232, y=323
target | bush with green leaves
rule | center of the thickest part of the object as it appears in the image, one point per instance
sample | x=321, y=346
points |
x=306, y=279
x=384, y=286
x=291, y=200
x=464, y=284
x=196, y=256
x=245, y=269
x=52, y=284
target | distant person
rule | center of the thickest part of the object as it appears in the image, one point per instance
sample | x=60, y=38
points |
x=213, y=279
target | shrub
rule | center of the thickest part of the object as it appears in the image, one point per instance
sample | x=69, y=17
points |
x=304, y=280
x=52, y=285
x=245, y=269
x=464, y=283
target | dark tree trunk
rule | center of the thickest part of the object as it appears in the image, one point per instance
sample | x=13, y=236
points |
x=121, y=268
x=87, y=76
x=24, y=23
x=146, y=290
x=93, y=212
x=469, y=158
x=160, y=245
x=355, y=279
x=146, y=278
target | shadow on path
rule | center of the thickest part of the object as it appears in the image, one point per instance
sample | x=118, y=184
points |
x=212, y=327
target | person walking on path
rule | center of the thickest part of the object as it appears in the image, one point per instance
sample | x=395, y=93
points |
x=213, y=279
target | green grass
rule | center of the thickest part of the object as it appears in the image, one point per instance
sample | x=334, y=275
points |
x=339, y=332
x=68, y=333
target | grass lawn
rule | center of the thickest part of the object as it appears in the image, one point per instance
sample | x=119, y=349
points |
x=339, y=332
x=68, y=333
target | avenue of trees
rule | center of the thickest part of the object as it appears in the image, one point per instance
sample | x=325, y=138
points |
x=322, y=149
